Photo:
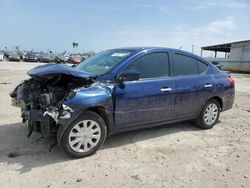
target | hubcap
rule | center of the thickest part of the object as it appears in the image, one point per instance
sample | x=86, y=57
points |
x=84, y=136
x=211, y=113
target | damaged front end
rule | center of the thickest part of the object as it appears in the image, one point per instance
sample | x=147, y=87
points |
x=41, y=97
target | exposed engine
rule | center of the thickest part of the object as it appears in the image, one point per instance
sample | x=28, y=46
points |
x=41, y=100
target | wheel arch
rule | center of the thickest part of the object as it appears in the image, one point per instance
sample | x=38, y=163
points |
x=219, y=101
x=217, y=98
x=101, y=111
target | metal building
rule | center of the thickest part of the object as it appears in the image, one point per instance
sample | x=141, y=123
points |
x=237, y=54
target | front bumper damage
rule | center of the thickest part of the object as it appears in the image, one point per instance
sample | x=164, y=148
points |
x=41, y=98
x=45, y=121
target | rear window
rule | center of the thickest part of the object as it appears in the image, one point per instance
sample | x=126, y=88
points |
x=202, y=67
x=185, y=65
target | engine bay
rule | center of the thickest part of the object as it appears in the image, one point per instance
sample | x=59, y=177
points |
x=41, y=100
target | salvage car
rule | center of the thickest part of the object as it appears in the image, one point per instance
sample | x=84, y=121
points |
x=14, y=56
x=32, y=57
x=62, y=58
x=119, y=90
x=47, y=58
x=75, y=59
x=1, y=56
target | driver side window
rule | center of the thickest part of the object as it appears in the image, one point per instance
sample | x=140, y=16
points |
x=151, y=65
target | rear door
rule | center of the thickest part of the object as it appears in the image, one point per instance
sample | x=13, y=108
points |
x=193, y=85
x=149, y=99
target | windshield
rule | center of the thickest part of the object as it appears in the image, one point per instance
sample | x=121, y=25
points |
x=104, y=61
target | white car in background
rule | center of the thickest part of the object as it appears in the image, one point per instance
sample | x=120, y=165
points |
x=1, y=56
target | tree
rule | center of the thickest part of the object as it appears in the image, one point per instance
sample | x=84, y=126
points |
x=75, y=44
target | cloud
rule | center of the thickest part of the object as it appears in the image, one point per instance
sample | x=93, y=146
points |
x=216, y=31
x=216, y=27
x=220, y=25
x=205, y=4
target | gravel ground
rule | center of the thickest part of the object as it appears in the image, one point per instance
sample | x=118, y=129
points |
x=176, y=155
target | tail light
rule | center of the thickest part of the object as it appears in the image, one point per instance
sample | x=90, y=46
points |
x=231, y=81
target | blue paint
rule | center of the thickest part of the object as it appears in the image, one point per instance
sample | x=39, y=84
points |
x=48, y=70
x=141, y=103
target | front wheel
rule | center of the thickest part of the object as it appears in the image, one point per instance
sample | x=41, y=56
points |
x=209, y=115
x=84, y=136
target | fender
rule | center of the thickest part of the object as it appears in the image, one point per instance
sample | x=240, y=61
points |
x=97, y=95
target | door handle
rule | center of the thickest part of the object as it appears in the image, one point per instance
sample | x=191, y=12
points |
x=166, y=89
x=208, y=85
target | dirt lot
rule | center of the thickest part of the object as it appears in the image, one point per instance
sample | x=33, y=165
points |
x=176, y=155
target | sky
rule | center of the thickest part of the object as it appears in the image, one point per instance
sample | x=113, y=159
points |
x=98, y=25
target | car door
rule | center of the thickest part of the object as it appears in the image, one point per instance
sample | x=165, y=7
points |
x=193, y=85
x=149, y=99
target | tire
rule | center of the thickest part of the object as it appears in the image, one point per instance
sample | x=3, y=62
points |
x=209, y=115
x=84, y=136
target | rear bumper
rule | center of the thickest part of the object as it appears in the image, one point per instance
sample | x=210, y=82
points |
x=228, y=101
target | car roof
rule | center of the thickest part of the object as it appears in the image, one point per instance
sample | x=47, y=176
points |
x=152, y=48
x=140, y=49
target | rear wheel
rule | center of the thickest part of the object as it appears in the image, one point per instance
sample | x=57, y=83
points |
x=209, y=115
x=84, y=136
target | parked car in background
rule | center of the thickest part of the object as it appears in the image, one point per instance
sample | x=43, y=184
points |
x=75, y=59
x=119, y=90
x=14, y=56
x=62, y=58
x=22, y=55
x=6, y=54
x=32, y=57
x=217, y=64
x=1, y=56
x=47, y=57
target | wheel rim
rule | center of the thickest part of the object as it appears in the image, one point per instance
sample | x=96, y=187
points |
x=84, y=136
x=211, y=114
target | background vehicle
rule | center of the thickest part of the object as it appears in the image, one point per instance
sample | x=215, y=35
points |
x=32, y=57
x=217, y=64
x=14, y=56
x=6, y=54
x=75, y=59
x=120, y=90
x=62, y=58
x=1, y=56
x=47, y=57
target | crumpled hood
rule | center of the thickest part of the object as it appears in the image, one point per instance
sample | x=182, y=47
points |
x=49, y=71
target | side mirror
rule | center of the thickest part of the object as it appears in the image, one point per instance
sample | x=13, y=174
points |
x=130, y=75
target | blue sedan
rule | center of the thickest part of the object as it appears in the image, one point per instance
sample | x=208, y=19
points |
x=119, y=90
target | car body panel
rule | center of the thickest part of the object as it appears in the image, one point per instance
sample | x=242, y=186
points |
x=13, y=56
x=31, y=57
x=49, y=70
x=143, y=102
x=1, y=56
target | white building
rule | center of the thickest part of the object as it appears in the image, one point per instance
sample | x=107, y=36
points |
x=237, y=54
